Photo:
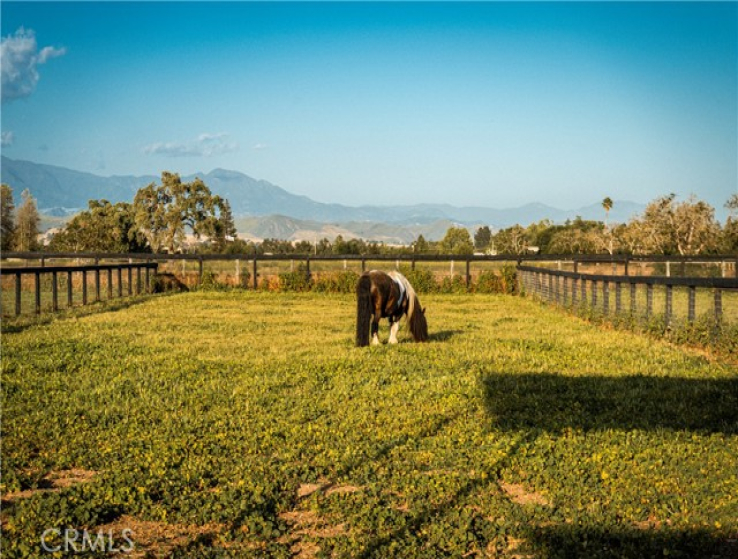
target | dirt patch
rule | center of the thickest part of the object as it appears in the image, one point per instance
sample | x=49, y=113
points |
x=158, y=539
x=306, y=526
x=54, y=481
x=326, y=487
x=518, y=494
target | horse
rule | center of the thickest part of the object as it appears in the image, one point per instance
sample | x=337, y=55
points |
x=387, y=295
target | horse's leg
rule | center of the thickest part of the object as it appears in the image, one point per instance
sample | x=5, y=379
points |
x=375, y=330
x=394, y=326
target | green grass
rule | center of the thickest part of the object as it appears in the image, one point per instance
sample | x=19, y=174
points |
x=249, y=422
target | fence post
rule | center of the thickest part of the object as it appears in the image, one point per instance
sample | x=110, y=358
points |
x=54, y=293
x=84, y=287
x=138, y=279
x=97, y=283
x=256, y=281
x=110, y=283
x=120, y=281
x=130, y=280
x=363, y=265
x=307, y=268
x=649, y=300
x=37, y=280
x=199, y=264
x=565, y=290
x=691, y=304
x=70, y=295
x=668, y=309
x=468, y=274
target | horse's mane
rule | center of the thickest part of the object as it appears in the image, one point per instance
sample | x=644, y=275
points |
x=412, y=298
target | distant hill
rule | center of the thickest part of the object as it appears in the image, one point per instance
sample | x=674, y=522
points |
x=60, y=192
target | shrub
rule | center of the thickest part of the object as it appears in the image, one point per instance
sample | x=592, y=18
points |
x=423, y=281
x=453, y=284
x=489, y=282
x=340, y=282
x=297, y=280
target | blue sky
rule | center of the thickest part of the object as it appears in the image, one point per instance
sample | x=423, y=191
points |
x=490, y=104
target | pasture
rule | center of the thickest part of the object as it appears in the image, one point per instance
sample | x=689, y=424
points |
x=246, y=424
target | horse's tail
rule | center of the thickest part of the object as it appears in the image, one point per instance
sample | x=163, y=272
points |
x=416, y=322
x=363, y=310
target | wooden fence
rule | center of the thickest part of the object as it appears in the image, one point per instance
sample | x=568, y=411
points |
x=574, y=289
x=249, y=270
x=114, y=282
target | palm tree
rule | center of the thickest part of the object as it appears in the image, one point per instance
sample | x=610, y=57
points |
x=607, y=204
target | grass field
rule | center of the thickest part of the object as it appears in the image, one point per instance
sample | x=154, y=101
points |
x=246, y=424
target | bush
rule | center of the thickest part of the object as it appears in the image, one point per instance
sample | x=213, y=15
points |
x=489, y=282
x=297, y=280
x=423, y=281
x=340, y=282
x=453, y=284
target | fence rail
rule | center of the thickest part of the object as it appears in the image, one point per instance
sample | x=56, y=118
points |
x=249, y=270
x=66, y=274
x=593, y=290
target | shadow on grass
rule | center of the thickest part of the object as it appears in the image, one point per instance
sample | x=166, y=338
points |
x=14, y=325
x=553, y=402
x=443, y=335
x=595, y=542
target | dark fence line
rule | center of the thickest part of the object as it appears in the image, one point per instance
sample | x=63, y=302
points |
x=571, y=289
x=559, y=260
x=142, y=284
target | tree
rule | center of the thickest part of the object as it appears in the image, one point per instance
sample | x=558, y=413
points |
x=512, y=240
x=26, y=225
x=685, y=228
x=6, y=218
x=457, y=241
x=482, y=238
x=729, y=242
x=164, y=213
x=607, y=203
x=103, y=227
x=420, y=246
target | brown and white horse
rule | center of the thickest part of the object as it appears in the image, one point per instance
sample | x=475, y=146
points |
x=387, y=295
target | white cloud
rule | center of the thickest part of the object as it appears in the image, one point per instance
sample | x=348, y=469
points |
x=205, y=145
x=259, y=147
x=19, y=60
x=7, y=138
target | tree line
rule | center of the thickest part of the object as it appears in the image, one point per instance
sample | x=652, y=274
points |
x=161, y=216
x=666, y=227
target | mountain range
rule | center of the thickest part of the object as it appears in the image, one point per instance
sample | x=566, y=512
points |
x=264, y=210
